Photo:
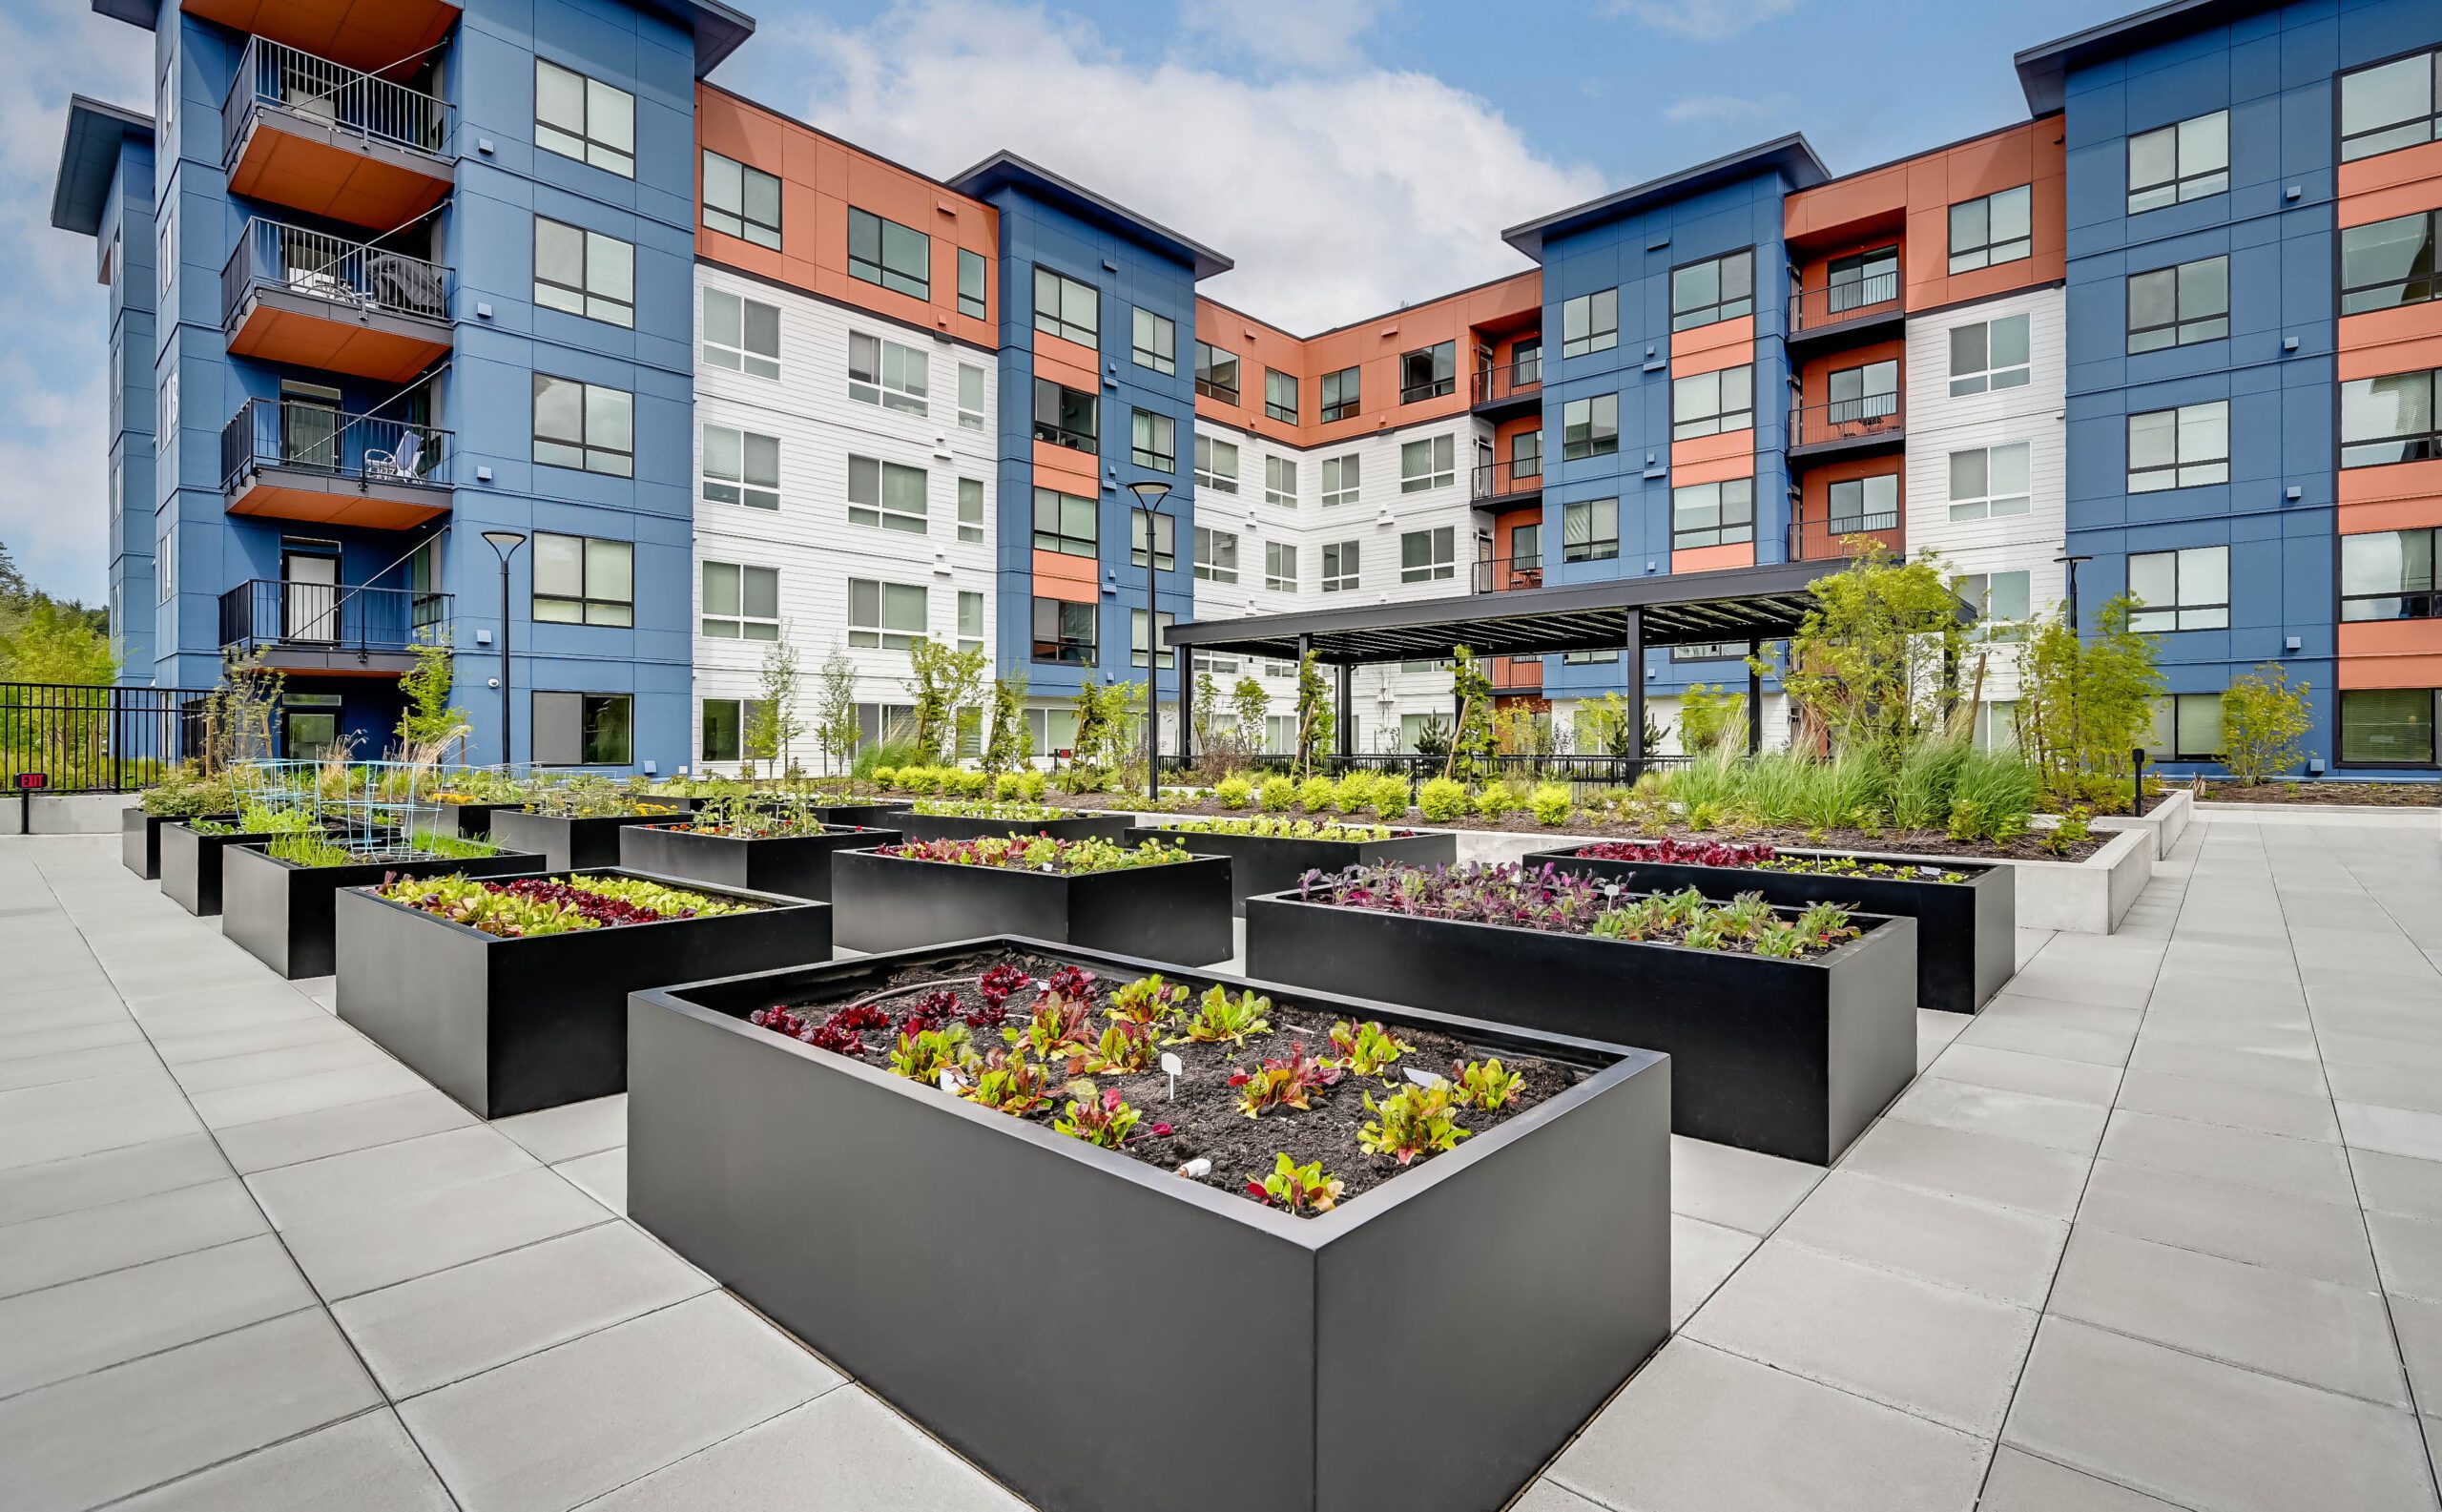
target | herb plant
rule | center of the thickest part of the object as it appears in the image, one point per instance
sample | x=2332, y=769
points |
x=1484, y=1084
x=1284, y=829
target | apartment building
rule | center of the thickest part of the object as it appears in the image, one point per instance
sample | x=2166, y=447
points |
x=727, y=379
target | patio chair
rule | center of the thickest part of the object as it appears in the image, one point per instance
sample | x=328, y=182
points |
x=398, y=464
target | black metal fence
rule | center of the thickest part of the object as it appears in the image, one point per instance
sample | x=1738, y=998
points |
x=1588, y=771
x=86, y=739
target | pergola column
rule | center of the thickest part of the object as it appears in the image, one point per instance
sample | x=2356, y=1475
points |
x=1344, y=725
x=1184, y=659
x=1754, y=697
x=1635, y=647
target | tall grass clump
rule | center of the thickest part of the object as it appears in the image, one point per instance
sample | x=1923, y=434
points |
x=1921, y=789
x=1848, y=789
x=2003, y=787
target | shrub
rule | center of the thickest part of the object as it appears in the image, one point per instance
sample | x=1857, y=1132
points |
x=1009, y=787
x=1356, y=791
x=885, y=776
x=1551, y=804
x=971, y=784
x=1441, y=799
x=1493, y=799
x=1035, y=784
x=1316, y=793
x=2263, y=720
x=1390, y=800
x=1276, y=794
x=1234, y=792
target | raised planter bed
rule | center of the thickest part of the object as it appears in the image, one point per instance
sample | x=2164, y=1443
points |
x=792, y=865
x=565, y=842
x=1179, y=911
x=1966, y=930
x=959, y=827
x=472, y=821
x=512, y=1026
x=282, y=912
x=190, y=864
x=139, y=840
x=1268, y=864
x=2166, y=819
x=2088, y=897
x=1791, y=1058
x=1426, y=1345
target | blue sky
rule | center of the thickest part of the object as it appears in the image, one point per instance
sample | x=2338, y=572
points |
x=1349, y=155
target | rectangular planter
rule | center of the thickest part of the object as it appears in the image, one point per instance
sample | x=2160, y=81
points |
x=2089, y=897
x=139, y=840
x=2166, y=819
x=1966, y=931
x=512, y=1026
x=948, y=827
x=191, y=865
x=1174, y=912
x=1427, y=1346
x=282, y=912
x=472, y=821
x=569, y=845
x=792, y=865
x=1267, y=863
x=1791, y=1058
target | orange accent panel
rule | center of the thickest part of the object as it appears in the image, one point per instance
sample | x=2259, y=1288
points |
x=1064, y=577
x=2382, y=342
x=1713, y=469
x=1913, y=197
x=361, y=33
x=1724, y=343
x=2390, y=184
x=1067, y=470
x=1712, y=558
x=326, y=180
x=1731, y=445
x=315, y=507
x=1511, y=673
x=1504, y=435
x=334, y=346
x=2392, y=653
x=2396, y=496
x=1065, y=362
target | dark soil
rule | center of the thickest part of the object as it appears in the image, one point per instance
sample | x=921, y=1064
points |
x=1203, y=1116
x=2380, y=795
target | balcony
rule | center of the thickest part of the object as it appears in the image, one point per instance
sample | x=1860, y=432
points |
x=1854, y=309
x=1498, y=482
x=306, y=133
x=1515, y=674
x=1848, y=427
x=1509, y=575
x=289, y=460
x=327, y=629
x=1512, y=386
x=290, y=295
x=360, y=33
x=1817, y=537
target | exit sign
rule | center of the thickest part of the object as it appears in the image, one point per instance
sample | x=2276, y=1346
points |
x=28, y=781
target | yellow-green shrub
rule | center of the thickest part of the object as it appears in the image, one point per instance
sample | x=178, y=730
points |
x=1234, y=792
x=1318, y=794
x=1441, y=799
x=1276, y=794
x=1551, y=804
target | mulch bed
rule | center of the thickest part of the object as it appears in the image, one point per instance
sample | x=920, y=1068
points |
x=2380, y=795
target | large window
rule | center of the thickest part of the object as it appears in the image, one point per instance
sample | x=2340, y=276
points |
x=1712, y=513
x=1165, y=537
x=1428, y=464
x=740, y=602
x=1064, y=632
x=584, y=272
x=970, y=396
x=970, y=620
x=2188, y=727
x=2179, y=448
x=585, y=118
x=1862, y=280
x=725, y=724
x=1340, y=400
x=1590, y=531
x=2182, y=590
x=970, y=509
x=1216, y=373
x=2189, y=160
x=1991, y=483
x=1525, y=456
x=1428, y=556
x=1858, y=504
x=1154, y=342
x=1590, y=427
x=971, y=283
x=1154, y=441
x=1719, y=288
x=2178, y=306
x=741, y=467
x=1068, y=308
x=889, y=374
x=1590, y=322
x=582, y=729
x=1339, y=480
x=1987, y=356
x=884, y=252
x=2387, y=726
x=885, y=616
x=1216, y=464
x=586, y=426
x=1279, y=566
x=1997, y=228
x=1428, y=372
x=1871, y=392
x=1280, y=395
x=741, y=334
x=2388, y=418
x=1999, y=597
x=1216, y=555
x=2390, y=106
x=1280, y=481
x=2389, y=263
x=1708, y=404
x=2389, y=574
x=1064, y=523
x=1339, y=567
x=1526, y=548
x=1136, y=647
x=580, y=580
x=741, y=201
x=886, y=495
x=1067, y=417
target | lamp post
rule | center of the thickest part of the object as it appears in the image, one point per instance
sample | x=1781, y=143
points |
x=2070, y=559
x=1150, y=494
x=504, y=543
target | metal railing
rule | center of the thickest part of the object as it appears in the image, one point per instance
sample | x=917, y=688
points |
x=273, y=76
x=88, y=739
x=1509, y=380
x=1589, y=771
x=350, y=276
x=1509, y=575
x=268, y=612
x=314, y=437
x=1831, y=303
x=1503, y=480
x=1865, y=418
x=2412, y=603
x=1815, y=538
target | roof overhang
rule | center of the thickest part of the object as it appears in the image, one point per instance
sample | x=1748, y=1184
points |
x=1790, y=156
x=88, y=159
x=2043, y=72
x=718, y=29
x=1006, y=170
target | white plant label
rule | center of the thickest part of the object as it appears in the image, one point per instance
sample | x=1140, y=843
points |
x=1171, y=1065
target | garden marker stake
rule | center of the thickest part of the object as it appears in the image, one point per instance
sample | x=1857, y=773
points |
x=1171, y=1065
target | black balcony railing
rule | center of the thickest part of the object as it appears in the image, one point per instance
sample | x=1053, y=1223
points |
x=301, y=437
x=1867, y=417
x=1818, y=538
x=87, y=739
x=275, y=76
x=1851, y=300
x=349, y=276
x=1509, y=575
x=1507, y=480
x=1510, y=379
x=269, y=612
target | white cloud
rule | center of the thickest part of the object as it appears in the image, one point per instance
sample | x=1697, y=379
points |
x=1701, y=20
x=1727, y=109
x=1295, y=33
x=1340, y=196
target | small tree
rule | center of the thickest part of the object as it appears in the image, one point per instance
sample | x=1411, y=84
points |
x=1208, y=711
x=1474, y=743
x=1875, y=661
x=2263, y=720
x=430, y=725
x=834, y=709
x=776, y=724
x=1710, y=719
x=1251, y=706
x=1603, y=728
x=2084, y=704
x=940, y=681
x=1012, y=744
x=1316, y=720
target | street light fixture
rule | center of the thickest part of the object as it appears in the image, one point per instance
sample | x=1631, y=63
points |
x=506, y=543
x=1150, y=494
x=2071, y=559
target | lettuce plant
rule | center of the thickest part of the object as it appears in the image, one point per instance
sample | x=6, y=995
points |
x=1124, y=1049
x=1366, y=1050
x=1040, y=852
x=1285, y=829
x=1009, y=1082
x=1056, y=1029
x=924, y=1055
x=1221, y=1017
x=1299, y=1189
x=1148, y=1001
x=1411, y=1122
x=1485, y=1084
x=1290, y=1082
x=1101, y=1117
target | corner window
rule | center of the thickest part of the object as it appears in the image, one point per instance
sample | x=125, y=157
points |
x=1281, y=567
x=741, y=603
x=888, y=374
x=2178, y=306
x=1590, y=322
x=1712, y=513
x=2389, y=263
x=970, y=284
x=1280, y=481
x=1590, y=427
x=741, y=334
x=1066, y=417
x=2390, y=106
x=894, y=256
x=1154, y=441
x=970, y=509
x=2182, y=590
x=1166, y=539
x=1064, y=632
x=1991, y=482
x=2189, y=160
x=1340, y=400
x=1428, y=556
x=582, y=729
x=2388, y=418
x=585, y=273
x=741, y=467
x=741, y=201
x=583, y=118
x=1428, y=372
x=1431, y=463
x=1995, y=229
x=1216, y=373
x=1216, y=464
x=1280, y=396
x=1590, y=531
x=1989, y=356
x=1154, y=342
x=2387, y=726
x=1067, y=308
x=886, y=495
x=2389, y=574
x=1064, y=523
x=1339, y=480
x=2181, y=448
x=1719, y=288
x=885, y=616
x=585, y=426
x=970, y=396
x=1339, y=567
x=1710, y=403
x=1216, y=555
x=579, y=580
x=2188, y=727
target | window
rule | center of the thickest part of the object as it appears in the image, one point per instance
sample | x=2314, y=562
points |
x=1997, y=228
x=2182, y=590
x=1216, y=666
x=970, y=509
x=2387, y=726
x=585, y=118
x=1280, y=480
x=1136, y=638
x=585, y=426
x=1712, y=513
x=1590, y=427
x=2188, y=727
x=1998, y=596
x=1066, y=417
x=1339, y=567
x=888, y=374
x=2389, y=574
x=585, y=273
x=582, y=729
x=1581, y=658
x=168, y=435
x=1216, y=464
x=741, y=467
x=1339, y=480
x=741, y=334
x=1341, y=394
x=1064, y=523
x=1871, y=392
x=1154, y=441
x=2175, y=163
x=1428, y=464
x=1997, y=725
x=1067, y=308
x=165, y=566
x=2184, y=447
x=2178, y=306
x=1428, y=556
x=579, y=580
x=1862, y=280
x=1155, y=341
x=1989, y=356
x=1054, y=730
x=1864, y=504
x=2388, y=418
x=1428, y=372
x=1280, y=395
x=1590, y=531
x=1216, y=373
x=1710, y=651
x=741, y=201
x=1526, y=455
x=1280, y=565
x=1590, y=323
x=1166, y=535
x=1216, y=555
x=1064, y=632
x=741, y=603
x=970, y=396
x=1991, y=482
x=886, y=495
x=885, y=616
x=2389, y=106
x=1281, y=669
x=971, y=283
x=1527, y=362
x=1710, y=403
x=1716, y=289
x=970, y=620
x=725, y=724
x=897, y=257
x=1526, y=547
x=2389, y=263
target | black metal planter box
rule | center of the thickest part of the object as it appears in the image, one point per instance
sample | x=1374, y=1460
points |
x=1179, y=911
x=512, y=1026
x=570, y=843
x=1270, y=864
x=953, y=827
x=1791, y=1058
x=1426, y=1346
x=282, y=912
x=472, y=821
x=190, y=864
x=792, y=865
x=1966, y=931
x=139, y=840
